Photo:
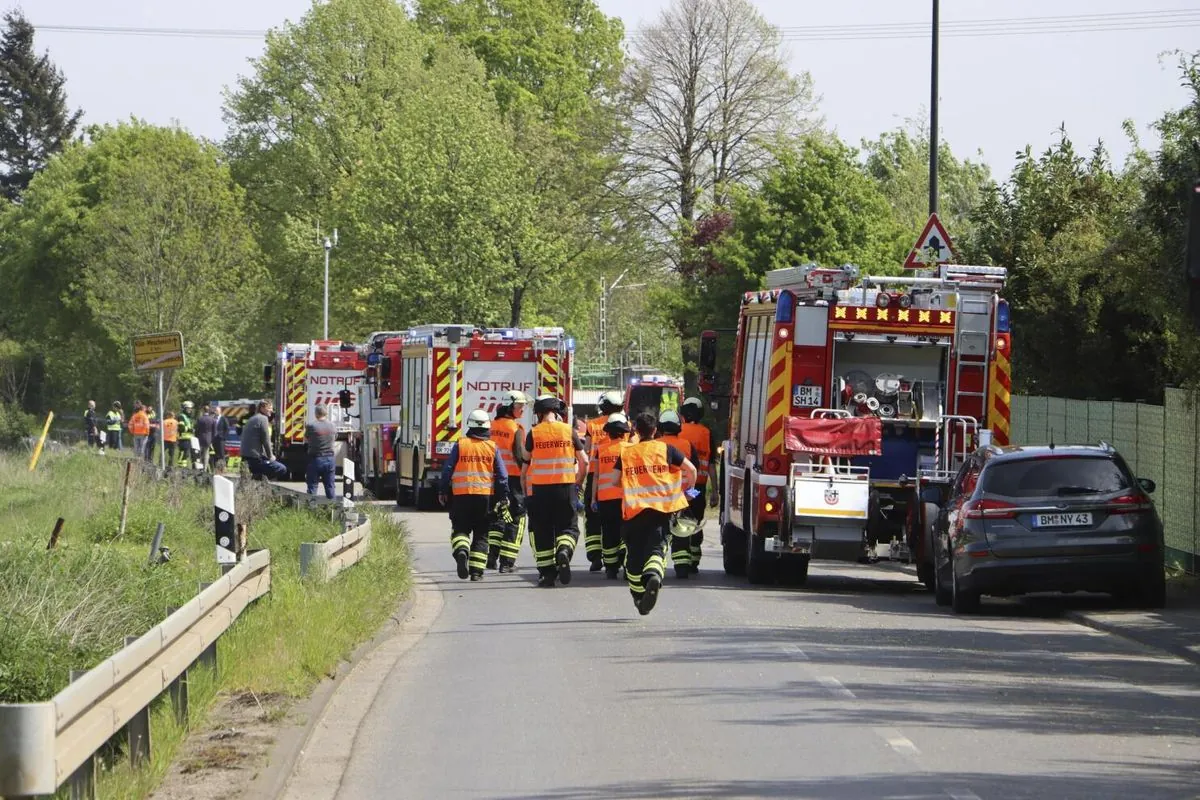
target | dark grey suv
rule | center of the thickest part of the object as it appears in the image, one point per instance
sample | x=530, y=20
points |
x=1048, y=519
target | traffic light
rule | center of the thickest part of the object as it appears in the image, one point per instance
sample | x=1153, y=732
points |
x=345, y=399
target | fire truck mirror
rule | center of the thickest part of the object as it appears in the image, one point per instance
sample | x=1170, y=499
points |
x=708, y=351
x=345, y=399
x=268, y=376
x=385, y=369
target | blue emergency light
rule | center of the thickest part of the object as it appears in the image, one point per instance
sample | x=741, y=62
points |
x=785, y=309
x=1002, y=317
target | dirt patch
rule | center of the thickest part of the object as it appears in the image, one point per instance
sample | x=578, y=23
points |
x=219, y=761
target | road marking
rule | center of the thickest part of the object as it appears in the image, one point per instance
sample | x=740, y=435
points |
x=898, y=741
x=835, y=686
x=795, y=652
x=961, y=794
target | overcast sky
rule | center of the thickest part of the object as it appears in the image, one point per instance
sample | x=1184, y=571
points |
x=998, y=92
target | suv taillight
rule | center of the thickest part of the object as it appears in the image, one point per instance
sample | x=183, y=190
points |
x=989, y=509
x=1128, y=504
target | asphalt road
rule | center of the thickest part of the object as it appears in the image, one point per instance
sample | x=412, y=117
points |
x=856, y=686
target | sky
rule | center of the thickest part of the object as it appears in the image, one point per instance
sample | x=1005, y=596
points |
x=998, y=93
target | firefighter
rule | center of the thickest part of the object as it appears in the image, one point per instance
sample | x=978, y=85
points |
x=473, y=480
x=654, y=477
x=552, y=480
x=155, y=433
x=114, y=421
x=187, y=429
x=605, y=490
x=701, y=438
x=669, y=426
x=170, y=429
x=610, y=403
x=508, y=526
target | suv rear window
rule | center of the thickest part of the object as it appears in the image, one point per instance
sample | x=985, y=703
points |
x=1054, y=476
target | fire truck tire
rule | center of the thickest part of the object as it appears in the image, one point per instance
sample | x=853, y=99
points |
x=733, y=550
x=925, y=568
x=793, y=570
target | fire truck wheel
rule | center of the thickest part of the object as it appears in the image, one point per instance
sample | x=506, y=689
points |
x=733, y=550
x=793, y=570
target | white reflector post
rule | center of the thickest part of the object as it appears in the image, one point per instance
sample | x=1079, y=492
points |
x=348, y=478
x=224, y=521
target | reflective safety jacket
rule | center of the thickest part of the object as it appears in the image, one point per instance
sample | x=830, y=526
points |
x=476, y=464
x=595, y=432
x=112, y=421
x=648, y=481
x=186, y=426
x=681, y=444
x=170, y=430
x=701, y=438
x=139, y=424
x=505, y=431
x=552, y=460
x=604, y=455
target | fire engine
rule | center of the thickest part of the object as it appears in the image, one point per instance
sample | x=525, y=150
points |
x=302, y=377
x=420, y=384
x=652, y=393
x=854, y=401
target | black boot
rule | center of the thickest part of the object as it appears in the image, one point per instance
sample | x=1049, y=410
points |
x=649, y=597
x=682, y=571
x=563, y=560
x=611, y=572
x=476, y=575
x=506, y=566
x=493, y=554
x=597, y=565
x=460, y=558
x=547, y=580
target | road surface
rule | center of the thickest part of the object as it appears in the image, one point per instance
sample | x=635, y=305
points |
x=856, y=686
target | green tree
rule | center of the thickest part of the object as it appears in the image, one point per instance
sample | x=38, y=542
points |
x=899, y=161
x=34, y=120
x=139, y=229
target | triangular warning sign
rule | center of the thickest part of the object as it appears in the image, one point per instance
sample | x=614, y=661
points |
x=933, y=247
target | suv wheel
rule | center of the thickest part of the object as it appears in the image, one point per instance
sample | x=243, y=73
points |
x=962, y=601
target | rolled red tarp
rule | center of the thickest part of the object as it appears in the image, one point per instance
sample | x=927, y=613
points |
x=842, y=436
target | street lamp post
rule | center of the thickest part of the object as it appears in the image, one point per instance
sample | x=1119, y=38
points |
x=328, y=246
x=605, y=298
x=933, y=115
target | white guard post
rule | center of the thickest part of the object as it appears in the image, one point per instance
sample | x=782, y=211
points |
x=225, y=521
x=348, y=478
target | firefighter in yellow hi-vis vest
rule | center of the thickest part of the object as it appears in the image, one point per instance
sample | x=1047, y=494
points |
x=473, y=481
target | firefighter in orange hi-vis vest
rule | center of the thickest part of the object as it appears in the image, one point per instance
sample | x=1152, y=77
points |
x=707, y=485
x=553, y=479
x=508, y=526
x=654, y=479
x=669, y=426
x=605, y=497
x=473, y=480
x=610, y=403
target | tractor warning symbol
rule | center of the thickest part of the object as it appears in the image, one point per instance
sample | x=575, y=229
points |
x=933, y=247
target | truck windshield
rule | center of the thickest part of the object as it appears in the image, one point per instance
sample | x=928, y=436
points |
x=652, y=399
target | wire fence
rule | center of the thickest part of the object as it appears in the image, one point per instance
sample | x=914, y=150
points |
x=1158, y=442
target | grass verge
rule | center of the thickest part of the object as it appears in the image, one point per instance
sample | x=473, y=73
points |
x=70, y=607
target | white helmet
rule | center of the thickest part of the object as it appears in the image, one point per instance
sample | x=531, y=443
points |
x=479, y=419
x=617, y=419
x=669, y=417
x=613, y=399
x=188, y=404
x=514, y=397
x=693, y=401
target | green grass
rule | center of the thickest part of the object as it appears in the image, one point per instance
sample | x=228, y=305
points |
x=71, y=607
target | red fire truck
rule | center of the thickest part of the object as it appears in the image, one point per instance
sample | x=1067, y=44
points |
x=303, y=376
x=653, y=393
x=422, y=383
x=854, y=399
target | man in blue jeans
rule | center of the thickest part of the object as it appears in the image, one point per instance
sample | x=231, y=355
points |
x=319, y=437
x=256, y=445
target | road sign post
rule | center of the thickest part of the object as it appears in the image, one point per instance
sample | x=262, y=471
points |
x=933, y=247
x=159, y=352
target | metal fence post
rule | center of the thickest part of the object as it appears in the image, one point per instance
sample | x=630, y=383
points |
x=208, y=657
x=83, y=780
x=178, y=689
x=137, y=730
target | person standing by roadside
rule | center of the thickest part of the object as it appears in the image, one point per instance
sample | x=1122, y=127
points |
x=91, y=425
x=205, y=432
x=139, y=429
x=114, y=422
x=319, y=436
x=170, y=432
x=187, y=430
x=224, y=428
x=155, y=429
x=256, y=445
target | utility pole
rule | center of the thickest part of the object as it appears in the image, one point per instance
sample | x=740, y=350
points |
x=329, y=245
x=933, y=115
x=606, y=291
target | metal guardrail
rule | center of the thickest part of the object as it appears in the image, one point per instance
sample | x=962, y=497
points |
x=324, y=560
x=45, y=745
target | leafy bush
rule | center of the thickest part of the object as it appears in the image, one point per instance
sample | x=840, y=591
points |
x=15, y=426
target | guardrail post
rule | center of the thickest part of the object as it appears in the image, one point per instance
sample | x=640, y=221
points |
x=137, y=730
x=208, y=657
x=178, y=689
x=83, y=780
x=309, y=553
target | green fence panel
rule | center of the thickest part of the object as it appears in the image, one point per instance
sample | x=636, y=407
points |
x=1176, y=495
x=1100, y=421
x=1125, y=432
x=1037, y=418
x=1018, y=408
x=1075, y=426
x=1150, y=446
